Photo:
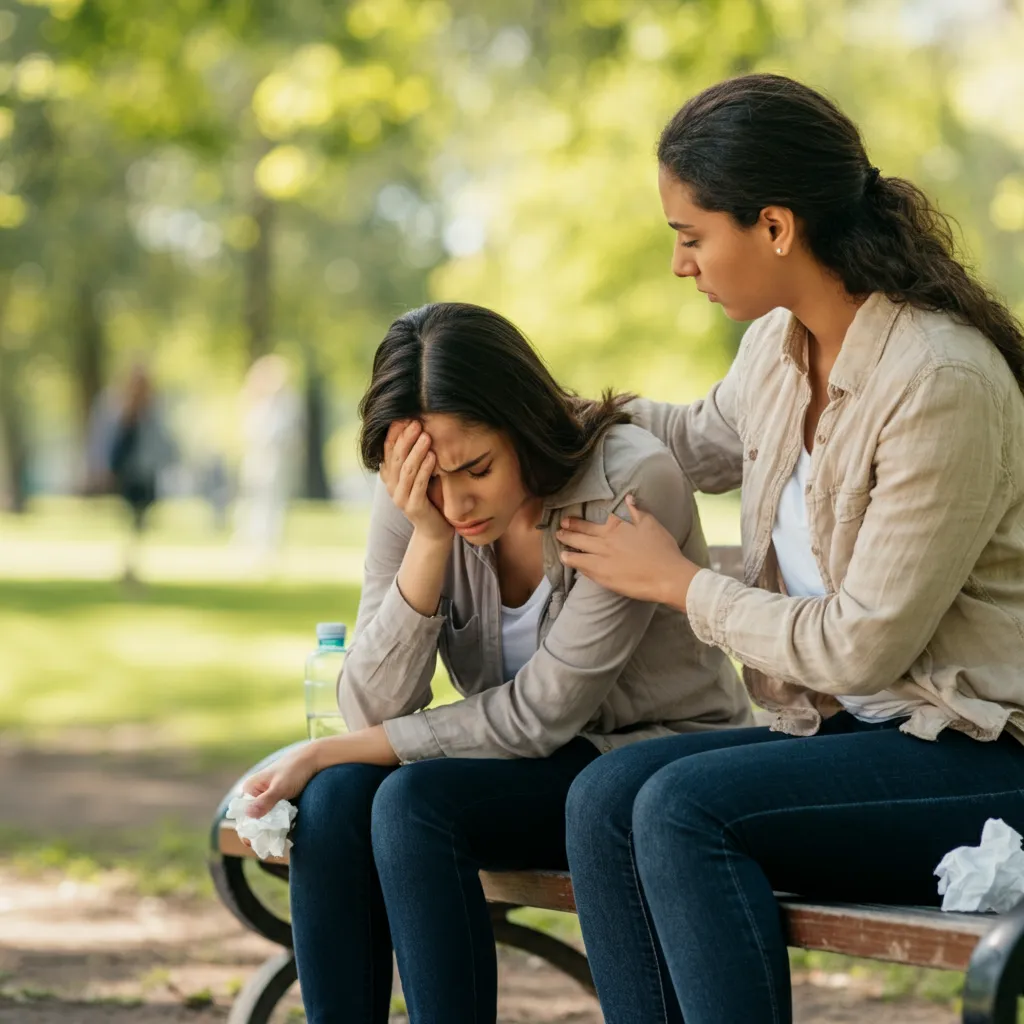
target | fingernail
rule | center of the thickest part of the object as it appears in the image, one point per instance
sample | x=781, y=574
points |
x=565, y=523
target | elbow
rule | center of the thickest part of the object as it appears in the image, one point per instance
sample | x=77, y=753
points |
x=853, y=671
x=352, y=710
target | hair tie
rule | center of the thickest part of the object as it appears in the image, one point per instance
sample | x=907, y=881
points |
x=872, y=177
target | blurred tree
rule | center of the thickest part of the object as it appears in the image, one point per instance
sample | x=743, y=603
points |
x=207, y=181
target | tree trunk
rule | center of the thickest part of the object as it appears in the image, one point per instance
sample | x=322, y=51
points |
x=89, y=366
x=258, y=304
x=13, y=448
x=13, y=454
x=315, y=482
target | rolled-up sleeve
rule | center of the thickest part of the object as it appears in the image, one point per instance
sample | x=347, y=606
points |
x=558, y=692
x=388, y=668
x=939, y=493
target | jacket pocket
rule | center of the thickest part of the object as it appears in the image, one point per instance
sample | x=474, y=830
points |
x=461, y=653
x=851, y=505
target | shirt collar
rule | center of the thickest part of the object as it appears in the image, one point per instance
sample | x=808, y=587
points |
x=862, y=347
x=590, y=483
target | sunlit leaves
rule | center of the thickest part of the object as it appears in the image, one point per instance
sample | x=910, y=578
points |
x=1007, y=207
x=285, y=172
x=12, y=210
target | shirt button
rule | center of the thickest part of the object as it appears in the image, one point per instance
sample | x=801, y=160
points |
x=807, y=489
x=821, y=438
x=752, y=454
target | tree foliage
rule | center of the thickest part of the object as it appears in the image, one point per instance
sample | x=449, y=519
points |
x=204, y=180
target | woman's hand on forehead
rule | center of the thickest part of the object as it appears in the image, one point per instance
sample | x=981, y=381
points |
x=409, y=463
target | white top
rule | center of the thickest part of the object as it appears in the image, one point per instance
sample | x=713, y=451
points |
x=519, y=628
x=792, y=540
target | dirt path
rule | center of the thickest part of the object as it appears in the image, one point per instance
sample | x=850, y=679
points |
x=95, y=952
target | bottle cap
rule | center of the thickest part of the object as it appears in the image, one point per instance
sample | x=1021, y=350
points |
x=330, y=631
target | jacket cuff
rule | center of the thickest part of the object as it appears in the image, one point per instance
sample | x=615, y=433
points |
x=402, y=623
x=708, y=603
x=412, y=739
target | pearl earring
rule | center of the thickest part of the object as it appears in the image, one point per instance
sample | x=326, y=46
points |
x=779, y=250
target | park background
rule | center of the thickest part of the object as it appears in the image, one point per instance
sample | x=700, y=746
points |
x=193, y=184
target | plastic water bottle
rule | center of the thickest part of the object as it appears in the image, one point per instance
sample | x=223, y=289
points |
x=323, y=666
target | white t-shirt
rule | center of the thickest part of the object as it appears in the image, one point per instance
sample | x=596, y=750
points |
x=792, y=540
x=519, y=630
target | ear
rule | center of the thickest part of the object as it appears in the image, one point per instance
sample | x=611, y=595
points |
x=778, y=226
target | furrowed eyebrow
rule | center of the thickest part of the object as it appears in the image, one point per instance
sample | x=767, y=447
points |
x=465, y=465
x=680, y=227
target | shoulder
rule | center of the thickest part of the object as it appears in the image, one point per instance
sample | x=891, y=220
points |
x=930, y=351
x=634, y=459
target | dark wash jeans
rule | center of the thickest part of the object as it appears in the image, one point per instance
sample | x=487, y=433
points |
x=388, y=855
x=675, y=846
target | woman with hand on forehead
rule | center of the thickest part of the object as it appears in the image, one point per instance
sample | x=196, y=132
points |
x=480, y=454
x=875, y=421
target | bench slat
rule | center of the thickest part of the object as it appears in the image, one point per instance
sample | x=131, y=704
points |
x=908, y=935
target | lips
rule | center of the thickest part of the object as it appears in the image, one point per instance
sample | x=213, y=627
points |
x=476, y=526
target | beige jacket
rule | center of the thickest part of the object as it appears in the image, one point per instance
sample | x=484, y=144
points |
x=609, y=668
x=915, y=513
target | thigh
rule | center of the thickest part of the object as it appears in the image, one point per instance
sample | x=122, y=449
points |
x=504, y=813
x=605, y=791
x=335, y=808
x=862, y=816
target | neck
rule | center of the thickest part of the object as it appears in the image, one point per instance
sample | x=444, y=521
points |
x=528, y=515
x=826, y=309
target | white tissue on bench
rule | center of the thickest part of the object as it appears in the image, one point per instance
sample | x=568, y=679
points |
x=989, y=877
x=269, y=834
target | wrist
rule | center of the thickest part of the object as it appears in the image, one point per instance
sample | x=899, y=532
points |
x=677, y=584
x=438, y=545
x=321, y=754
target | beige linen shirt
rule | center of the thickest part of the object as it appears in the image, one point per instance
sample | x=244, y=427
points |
x=609, y=668
x=915, y=513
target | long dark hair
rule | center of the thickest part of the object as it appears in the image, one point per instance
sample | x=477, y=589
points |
x=470, y=362
x=765, y=140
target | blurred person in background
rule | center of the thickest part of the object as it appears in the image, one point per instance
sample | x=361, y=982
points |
x=272, y=442
x=129, y=447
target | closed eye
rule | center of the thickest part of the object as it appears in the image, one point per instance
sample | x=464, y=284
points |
x=689, y=245
x=482, y=473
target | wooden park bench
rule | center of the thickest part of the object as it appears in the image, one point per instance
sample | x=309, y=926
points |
x=989, y=948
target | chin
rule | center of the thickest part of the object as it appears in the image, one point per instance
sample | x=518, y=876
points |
x=744, y=313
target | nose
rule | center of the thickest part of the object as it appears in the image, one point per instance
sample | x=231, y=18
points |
x=456, y=499
x=683, y=264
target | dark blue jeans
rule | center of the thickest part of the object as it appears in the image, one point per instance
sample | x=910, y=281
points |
x=392, y=855
x=676, y=846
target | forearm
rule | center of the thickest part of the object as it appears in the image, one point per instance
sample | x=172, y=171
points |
x=365, y=746
x=421, y=575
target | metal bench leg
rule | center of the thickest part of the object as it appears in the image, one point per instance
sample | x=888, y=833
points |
x=264, y=990
x=557, y=953
x=233, y=887
x=995, y=975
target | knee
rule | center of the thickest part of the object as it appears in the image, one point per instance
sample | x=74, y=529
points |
x=406, y=803
x=674, y=808
x=600, y=800
x=335, y=806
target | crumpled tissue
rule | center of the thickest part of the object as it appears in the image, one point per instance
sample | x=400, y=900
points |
x=989, y=877
x=269, y=834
